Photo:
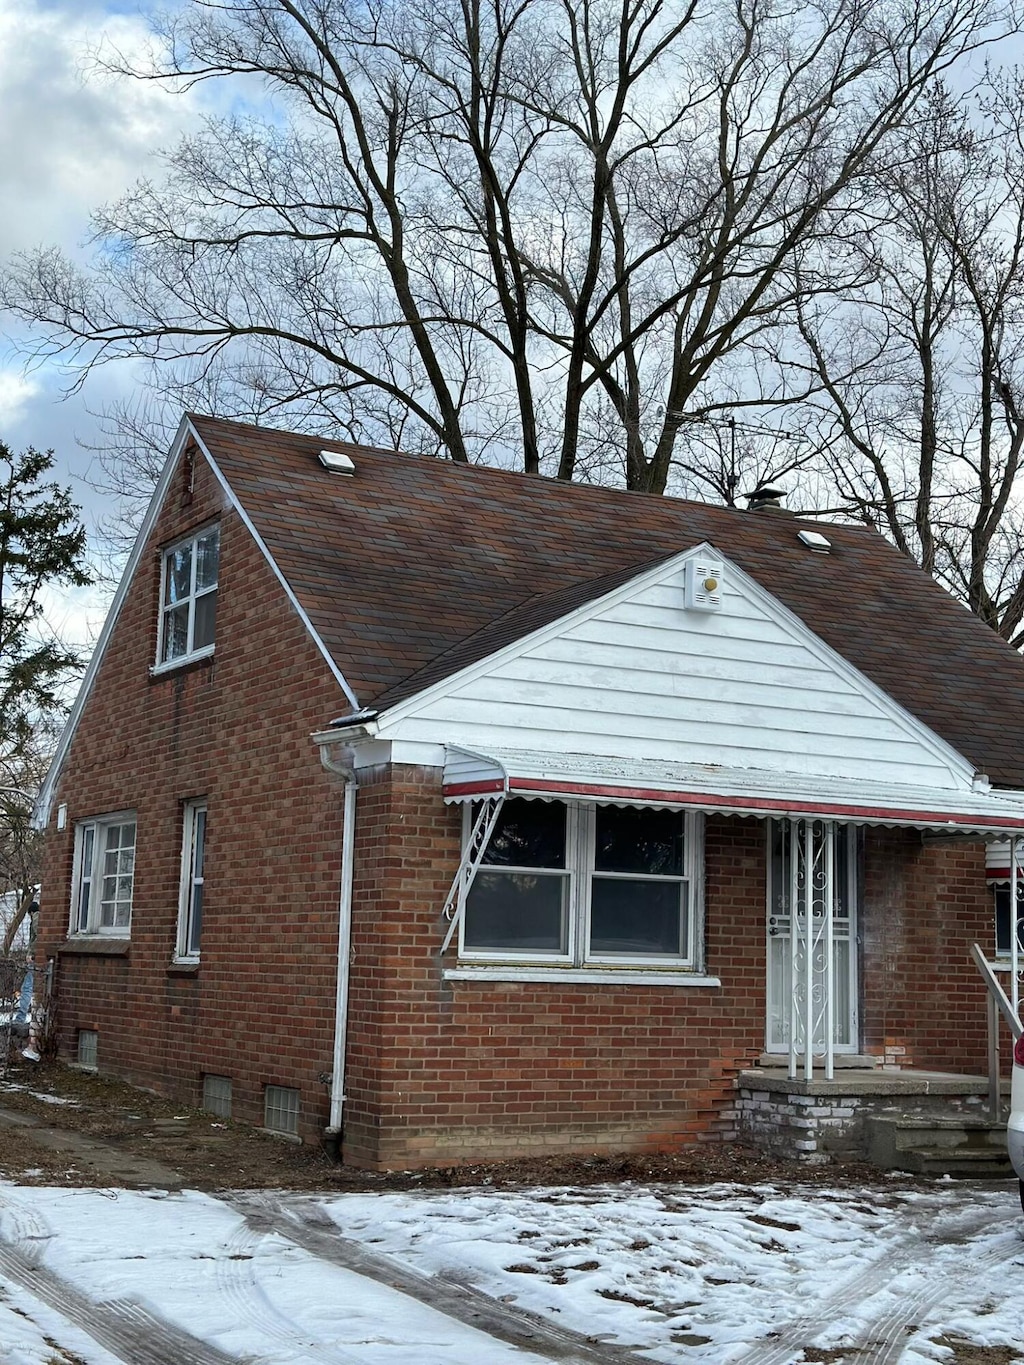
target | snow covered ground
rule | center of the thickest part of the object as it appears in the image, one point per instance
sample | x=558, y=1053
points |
x=722, y=1275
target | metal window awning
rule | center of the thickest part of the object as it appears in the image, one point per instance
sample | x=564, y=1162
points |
x=471, y=776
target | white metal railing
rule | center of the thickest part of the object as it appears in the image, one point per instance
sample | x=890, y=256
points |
x=812, y=904
x=476, y=846
x=998, y=1004
x=1014, y=927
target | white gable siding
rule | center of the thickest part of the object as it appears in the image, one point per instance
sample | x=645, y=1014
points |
x=638, y=675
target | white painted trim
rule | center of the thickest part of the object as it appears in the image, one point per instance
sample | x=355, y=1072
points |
x=558, y=976
x=246, y=520
x=182, y=661
x=46, y=791
x=960, y=767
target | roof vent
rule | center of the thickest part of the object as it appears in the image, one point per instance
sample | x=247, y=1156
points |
x=766, y=498
x=814, y=540
x=336, y=462
x=703, y=590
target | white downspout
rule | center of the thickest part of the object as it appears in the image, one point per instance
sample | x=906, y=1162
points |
x=343, y=767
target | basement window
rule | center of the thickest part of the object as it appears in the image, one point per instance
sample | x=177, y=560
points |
x=281, y=1110
x=217, y=1095
x=188, y=598
x=88, y=1048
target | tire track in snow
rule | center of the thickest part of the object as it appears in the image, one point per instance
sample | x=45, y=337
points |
x=301, y=1222
x=240, y=1289
x=126, y=1329
x=885, y=1335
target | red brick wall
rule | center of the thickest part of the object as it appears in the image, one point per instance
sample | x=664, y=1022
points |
x=464, y=1070
x=234, y=729
x=924, y=905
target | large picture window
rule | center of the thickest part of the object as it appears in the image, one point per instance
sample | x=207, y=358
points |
x=104, y=880
x=188, y=598
x=578, y=883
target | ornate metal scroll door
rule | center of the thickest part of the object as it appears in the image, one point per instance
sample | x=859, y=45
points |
x=811, y=944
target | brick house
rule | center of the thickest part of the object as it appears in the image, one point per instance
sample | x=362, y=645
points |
x=460, y=814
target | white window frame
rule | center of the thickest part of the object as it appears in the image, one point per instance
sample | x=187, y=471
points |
x=581, y=827
x=91, y=834
x=191, y=824
x=194, y=594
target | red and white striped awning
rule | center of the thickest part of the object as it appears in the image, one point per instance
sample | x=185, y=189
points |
x=754, y=792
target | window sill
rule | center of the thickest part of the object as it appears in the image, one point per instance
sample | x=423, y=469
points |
x=186, y=967
x=96, y=947
x=583, y=976
x=158, y=671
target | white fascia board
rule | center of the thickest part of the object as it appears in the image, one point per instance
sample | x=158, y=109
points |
x=41, y=816
x=961, y=768
x=336, y=672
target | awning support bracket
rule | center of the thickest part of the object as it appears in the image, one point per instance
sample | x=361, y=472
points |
x=472, y=856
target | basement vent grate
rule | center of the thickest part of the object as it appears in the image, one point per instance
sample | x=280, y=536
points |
x=217, y=1096
x=281, y=1110
x=88, y=1048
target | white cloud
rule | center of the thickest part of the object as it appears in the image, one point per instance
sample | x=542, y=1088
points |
x=72, y=138
x=16, y=391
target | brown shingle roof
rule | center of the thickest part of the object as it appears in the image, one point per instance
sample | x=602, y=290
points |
x=415, y=568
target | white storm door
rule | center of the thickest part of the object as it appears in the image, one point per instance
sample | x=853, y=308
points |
x=826, y=864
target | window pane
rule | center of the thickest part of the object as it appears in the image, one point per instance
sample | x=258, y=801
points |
x=195, y=922
x=517, y=912
x=1003, y=920
x=200, y=844
x=630, y=840
x=206, y=611
x=175, y=633
x=83, y=904
x=528, y=834
x=637, y=917
x=178, y=584
x=207, y=555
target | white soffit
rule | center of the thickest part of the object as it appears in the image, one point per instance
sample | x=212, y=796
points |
x=469, y=776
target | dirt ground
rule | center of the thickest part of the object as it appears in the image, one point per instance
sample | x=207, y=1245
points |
x=54, y=1119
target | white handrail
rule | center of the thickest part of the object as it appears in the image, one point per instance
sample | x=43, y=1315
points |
x=996, y=991
x=998, y=1004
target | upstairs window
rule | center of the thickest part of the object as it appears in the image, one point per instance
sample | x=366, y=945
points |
x=188, y=597
x=104, y=875
x=583, y=884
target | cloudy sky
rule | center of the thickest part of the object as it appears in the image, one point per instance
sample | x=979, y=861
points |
x=70, y=139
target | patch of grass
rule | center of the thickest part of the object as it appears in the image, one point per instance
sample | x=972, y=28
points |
x=970, y=1353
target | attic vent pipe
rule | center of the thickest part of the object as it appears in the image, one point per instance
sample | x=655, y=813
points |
x=336, y=462
x=765, y=498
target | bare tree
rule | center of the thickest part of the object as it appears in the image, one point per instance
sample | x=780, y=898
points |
x=531, y=231
x=922, y=370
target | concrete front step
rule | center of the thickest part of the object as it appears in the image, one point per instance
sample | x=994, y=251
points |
x=954, y=1144
x=963, y=1163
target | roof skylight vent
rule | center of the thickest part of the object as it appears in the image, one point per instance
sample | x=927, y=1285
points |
x=336, y=462
x=814, y=540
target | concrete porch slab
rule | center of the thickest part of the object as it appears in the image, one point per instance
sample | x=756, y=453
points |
x=864, y=1081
